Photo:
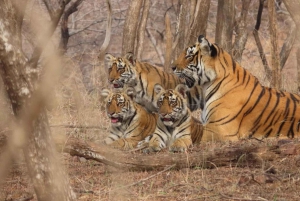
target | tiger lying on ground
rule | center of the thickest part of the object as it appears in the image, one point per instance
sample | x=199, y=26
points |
x=236, y=105
x=130, y=122
x=126, y=71
x=176, y=128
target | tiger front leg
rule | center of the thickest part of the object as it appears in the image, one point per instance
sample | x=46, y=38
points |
x=153, y=143
x=123, y=144
x=181, y=144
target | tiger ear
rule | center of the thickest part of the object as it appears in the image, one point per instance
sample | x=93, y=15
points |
x=130, y=91
x=158, y=88
x=130, y=57
x=181, y=89
x=108, y=60
x=105, y=92
x=206, y=47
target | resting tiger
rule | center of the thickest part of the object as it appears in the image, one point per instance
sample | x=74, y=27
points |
x=236, y=105
x=126, y=71
x=176, y=128
x=130, y=122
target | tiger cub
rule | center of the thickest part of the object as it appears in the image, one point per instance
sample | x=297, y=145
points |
x=176, y=128
x=130, y=122
x=126, y=71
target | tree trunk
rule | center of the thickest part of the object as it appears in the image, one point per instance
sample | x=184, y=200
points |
x=293, y=7
x=225, y=22
x=276, y=70
x=142, y=29
x=199, y=21
x=181, y=27
x=49, y=180
x=242, y=34
x=64, y=25
x=130, y=26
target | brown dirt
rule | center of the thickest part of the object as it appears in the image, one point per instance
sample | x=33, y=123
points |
x=279, y=180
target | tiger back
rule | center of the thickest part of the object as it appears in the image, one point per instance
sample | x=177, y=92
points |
x=176, y=128
x=126, y=71
x=236, y=105
x=130, y=122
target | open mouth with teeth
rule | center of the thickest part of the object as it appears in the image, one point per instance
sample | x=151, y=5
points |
x=115, y=119
x=118, y=85
x=167, y=119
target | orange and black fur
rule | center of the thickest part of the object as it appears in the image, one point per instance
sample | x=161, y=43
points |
x=127, y=72
x=130, y=122
x=236, y=105
x=176, y=128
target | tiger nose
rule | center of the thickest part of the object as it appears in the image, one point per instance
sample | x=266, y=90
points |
x=111, y=80
x=173, y=68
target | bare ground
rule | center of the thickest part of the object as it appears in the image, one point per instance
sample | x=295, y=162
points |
x=277, y=178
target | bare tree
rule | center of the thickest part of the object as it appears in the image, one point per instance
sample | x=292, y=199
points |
x=28, y=101
x=293, y=7
x=141, y=29
x=65, y=35
x=225, y=22
x=257, y=40
x=198, y=22
x=241, y=32
x=130, y=26
x=276, y=70
x=181, y=27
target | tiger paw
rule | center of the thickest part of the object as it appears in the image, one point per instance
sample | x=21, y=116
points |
x=143, y=144
x=177, y=149
x=180, y=145
x=151, y=149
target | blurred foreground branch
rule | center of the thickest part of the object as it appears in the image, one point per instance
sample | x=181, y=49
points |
x=251, y=153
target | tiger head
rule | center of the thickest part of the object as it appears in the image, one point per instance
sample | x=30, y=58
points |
x=196, y=64
x=121, y=70
x=119, y=105
x=171, y=104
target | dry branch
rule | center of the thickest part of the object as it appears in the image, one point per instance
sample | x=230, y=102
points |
x=287, y=46
x=168, y=42
x=156, y=46
x=258, y=43
x=105, y=44
x=252, y=153
x=65, y=35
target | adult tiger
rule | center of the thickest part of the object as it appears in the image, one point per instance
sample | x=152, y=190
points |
x=176, y=128
x=126, y=71
x=130, y=122
x=236, y=105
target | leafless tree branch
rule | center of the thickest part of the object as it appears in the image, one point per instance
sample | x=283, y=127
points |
x=258, y=43
x=155, y=45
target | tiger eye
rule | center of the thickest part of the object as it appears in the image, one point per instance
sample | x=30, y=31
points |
x=121, y=70
x=120, y=104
